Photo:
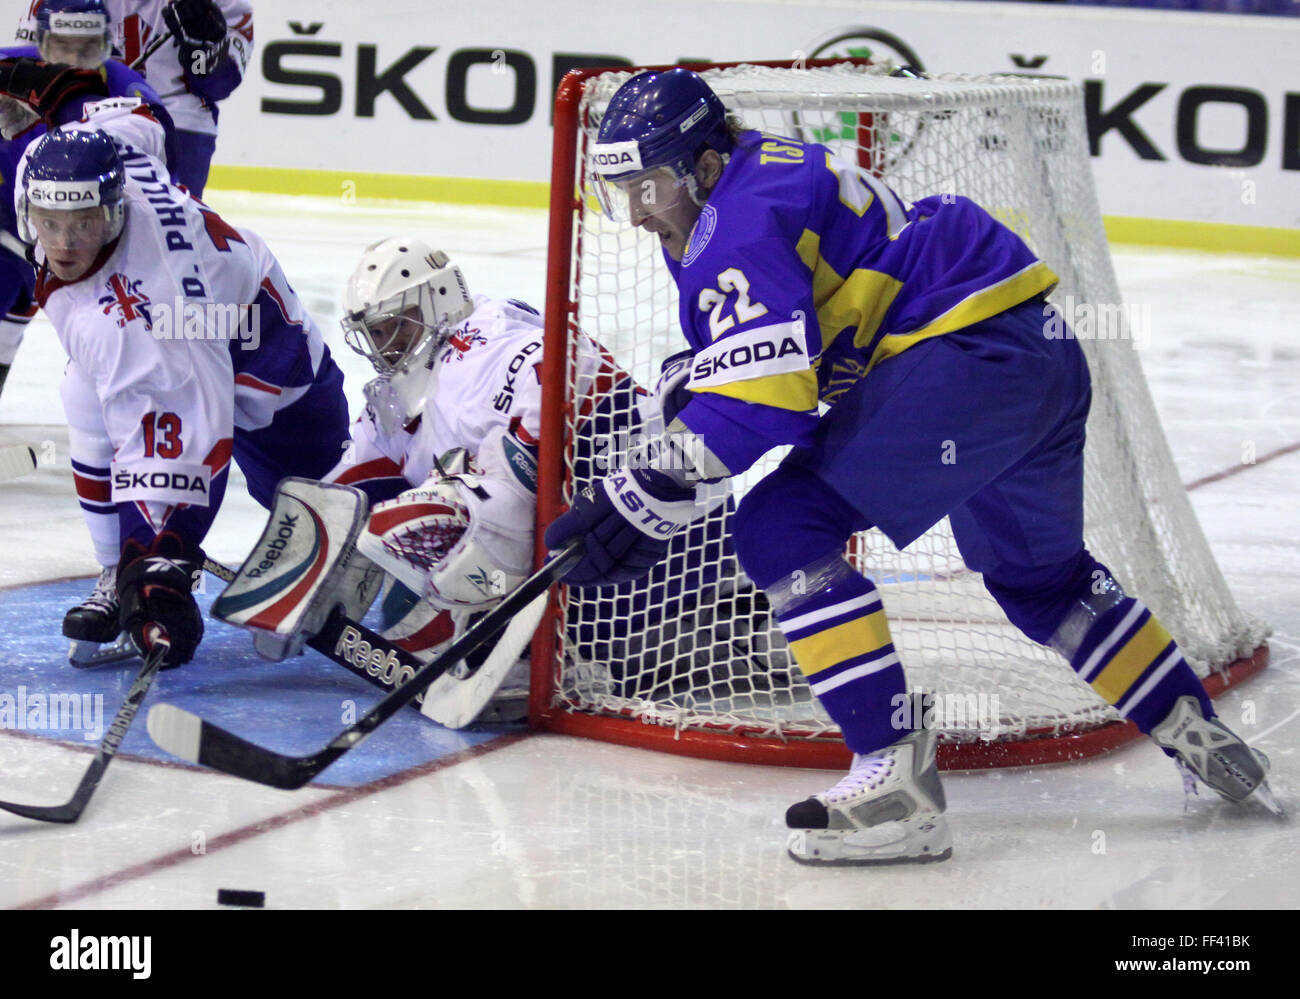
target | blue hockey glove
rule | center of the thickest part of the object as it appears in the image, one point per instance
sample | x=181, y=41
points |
x=628, y=519
x=200, y=30
x=670, y=389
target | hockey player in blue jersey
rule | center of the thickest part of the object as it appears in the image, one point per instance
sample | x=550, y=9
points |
x=804, y=281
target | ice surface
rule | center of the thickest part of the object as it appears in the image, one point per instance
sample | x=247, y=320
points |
x=547, y=821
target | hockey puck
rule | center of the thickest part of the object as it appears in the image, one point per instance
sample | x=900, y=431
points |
x=232, y=896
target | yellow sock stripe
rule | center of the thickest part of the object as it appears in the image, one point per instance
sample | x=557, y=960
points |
x=833, y=646
x=1137, y=655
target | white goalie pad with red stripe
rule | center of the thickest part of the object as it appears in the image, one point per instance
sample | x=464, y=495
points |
x=305, y=564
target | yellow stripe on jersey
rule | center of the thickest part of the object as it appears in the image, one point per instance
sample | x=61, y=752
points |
x=833, y=646
x=985, y=303
x=1130, y=662
x=859, y=301
x=795, y=390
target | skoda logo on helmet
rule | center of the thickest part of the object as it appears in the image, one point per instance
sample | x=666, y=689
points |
x=62, y=194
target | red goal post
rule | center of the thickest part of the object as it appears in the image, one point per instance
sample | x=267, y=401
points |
x=1018, y=147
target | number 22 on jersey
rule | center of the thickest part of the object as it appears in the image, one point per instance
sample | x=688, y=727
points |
x=714, y=301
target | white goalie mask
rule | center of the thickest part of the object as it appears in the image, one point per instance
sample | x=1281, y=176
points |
x=401, y=304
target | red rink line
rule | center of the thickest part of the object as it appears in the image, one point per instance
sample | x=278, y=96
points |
x=1227, y=473
x=258, y=828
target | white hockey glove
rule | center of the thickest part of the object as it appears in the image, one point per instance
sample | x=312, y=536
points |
x=462, y=541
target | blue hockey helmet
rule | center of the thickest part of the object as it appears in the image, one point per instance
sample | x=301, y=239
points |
x=655, y=120
x=73, y=171
x=75, y=32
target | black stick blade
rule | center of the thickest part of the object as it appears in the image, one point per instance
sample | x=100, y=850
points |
x=183, y=733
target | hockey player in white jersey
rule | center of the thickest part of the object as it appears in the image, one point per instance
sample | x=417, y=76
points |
x=201, y=64
x=186, y=347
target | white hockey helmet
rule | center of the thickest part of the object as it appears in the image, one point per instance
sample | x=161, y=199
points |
x=401, y=304
x=403, y=296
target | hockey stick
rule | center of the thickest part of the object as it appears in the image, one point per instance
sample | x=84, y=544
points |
x=152, y=47
x=72, y=809
x=350, y=644
x=455, y=701
x=16, y=460
x=188, y=736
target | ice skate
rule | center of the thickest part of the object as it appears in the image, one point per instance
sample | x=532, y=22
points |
x=888, y=810
x=96, y=635
x=1221, y=760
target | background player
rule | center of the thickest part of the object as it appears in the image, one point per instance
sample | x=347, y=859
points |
x=200, y=66
x=186, y=346
x=804, y=281
x=74, y=33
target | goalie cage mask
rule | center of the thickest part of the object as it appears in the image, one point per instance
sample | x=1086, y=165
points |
x=401, y=304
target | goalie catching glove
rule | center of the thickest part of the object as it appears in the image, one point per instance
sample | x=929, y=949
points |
x=155, y=587
x=462, y=540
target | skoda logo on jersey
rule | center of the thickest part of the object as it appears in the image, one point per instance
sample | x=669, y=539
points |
x=705, y=226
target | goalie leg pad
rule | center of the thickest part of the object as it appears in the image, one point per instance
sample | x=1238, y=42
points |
x=305, y=564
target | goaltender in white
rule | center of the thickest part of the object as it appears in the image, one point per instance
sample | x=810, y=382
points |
x=446, y=449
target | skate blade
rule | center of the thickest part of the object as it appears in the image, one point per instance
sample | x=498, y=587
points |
x=91, y=655
x=880, y=846
x=1265, y=796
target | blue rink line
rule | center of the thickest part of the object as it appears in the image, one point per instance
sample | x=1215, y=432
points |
x=293, y=707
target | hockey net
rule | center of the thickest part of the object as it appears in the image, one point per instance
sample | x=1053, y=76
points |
x=692, y=661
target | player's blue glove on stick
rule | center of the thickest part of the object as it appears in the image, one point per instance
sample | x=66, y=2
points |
x=628, y=519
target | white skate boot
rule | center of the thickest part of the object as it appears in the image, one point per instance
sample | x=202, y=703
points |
x=888, y=810
x=1219, y=758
